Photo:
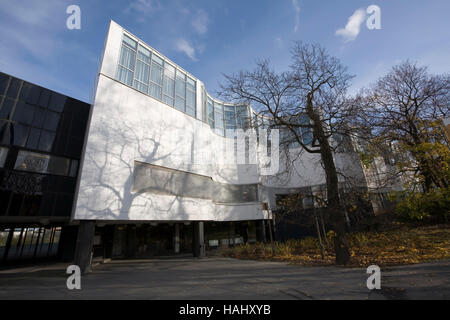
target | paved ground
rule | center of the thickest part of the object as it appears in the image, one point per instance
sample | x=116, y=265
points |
x=220, y=278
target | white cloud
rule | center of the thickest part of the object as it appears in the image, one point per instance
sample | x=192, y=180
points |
x=353, y=27
x=297, y=14
x=143, y=8
x=182, y=45
x=200, y=22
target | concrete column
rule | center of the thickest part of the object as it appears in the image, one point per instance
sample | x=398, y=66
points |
x=85, y=241
x=198, y=243
x=176, y=238
x=260, y=231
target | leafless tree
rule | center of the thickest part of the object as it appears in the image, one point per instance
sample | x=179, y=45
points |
x=315, y=86
x=405, y=107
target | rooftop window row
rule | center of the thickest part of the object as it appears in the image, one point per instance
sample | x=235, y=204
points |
x=150, y=74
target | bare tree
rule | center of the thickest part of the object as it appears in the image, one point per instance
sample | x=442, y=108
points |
x=405, y=107
x=315, y=86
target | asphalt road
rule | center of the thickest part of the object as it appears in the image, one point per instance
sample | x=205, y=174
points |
x=229, y=279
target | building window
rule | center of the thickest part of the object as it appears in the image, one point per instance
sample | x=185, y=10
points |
x=156, y=77
x=127, y=61
x=169, y=84
x=242, y=117
x=211, y=113
x=180, y=90
x=218, y=118
x=190, y=96
x=142, y=71
x=43, y=163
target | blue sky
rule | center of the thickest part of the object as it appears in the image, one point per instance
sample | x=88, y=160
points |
x=211, y=37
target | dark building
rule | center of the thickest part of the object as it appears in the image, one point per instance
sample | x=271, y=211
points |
x=41, y=140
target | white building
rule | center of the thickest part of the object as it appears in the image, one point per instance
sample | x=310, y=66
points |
x=158, y=153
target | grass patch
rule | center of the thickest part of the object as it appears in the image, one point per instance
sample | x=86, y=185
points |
x=388, y=248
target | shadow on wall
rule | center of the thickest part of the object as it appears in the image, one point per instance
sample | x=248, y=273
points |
x=106, y=187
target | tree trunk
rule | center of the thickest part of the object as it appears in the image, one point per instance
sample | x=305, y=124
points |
x=334, y=208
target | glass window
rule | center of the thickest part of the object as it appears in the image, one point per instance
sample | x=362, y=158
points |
x=124, y=75
x=57, y=102
x=46, y=140
x=129, y=42
x=307, y=134
x=230, y=117
x=218, y=118
x=144, y=55
x=13, y=89
x=5, y=135
x=31, y=161
x=24, y=113
x=30, y=93
x=59, y=166
x=126, y=61
x=20, y=134
x=157, y=60
x=155, y=91
x=156, y=77
x=41, y=163
x=141, y=76
x=211, y=113
x=3, y=155
x=242, y=117
x=39, y=117
x=127, y=58
x=190, y=84
x=180, y=90
x=73, y=168
x=3, y=82
x=44, y=98
x=6, y=109
x=169, y=84
x=51, y=120
x=190, y=97
x=33, y=138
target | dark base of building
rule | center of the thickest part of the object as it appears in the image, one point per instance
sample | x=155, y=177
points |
x=94, y=240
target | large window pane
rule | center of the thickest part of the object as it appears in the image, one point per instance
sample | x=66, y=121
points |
x=230, y=117
x=6, y=109
x=42, y=163
x=144, y=55
x=20, y=134
x=155, y=91
x=181, y=85
x=127, y=58
x=142, y=71
x=190, y=111
x=156, y=74
x=180, y=103
x=46, y=140
x=242, y=117
x=129, y=42
x=169, y=84
x=31, y=161
x=211, y=113
x=51, y=121
x=190, y=99
x=124, y=75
